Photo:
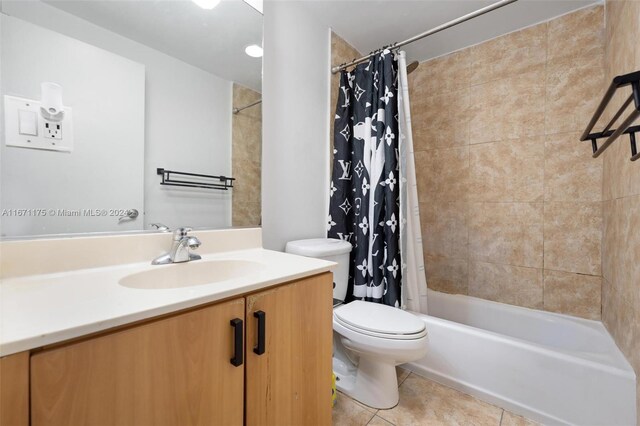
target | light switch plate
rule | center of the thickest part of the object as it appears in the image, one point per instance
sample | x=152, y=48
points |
x=18, y=115
x=27, y=122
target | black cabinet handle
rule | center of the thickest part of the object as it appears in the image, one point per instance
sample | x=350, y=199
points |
x=262, y=331
x=238, y=349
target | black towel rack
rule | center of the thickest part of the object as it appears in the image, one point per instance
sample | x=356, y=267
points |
x=215, y=182
x=633, y=80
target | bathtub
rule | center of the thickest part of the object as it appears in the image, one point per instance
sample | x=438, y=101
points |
x=552, y=368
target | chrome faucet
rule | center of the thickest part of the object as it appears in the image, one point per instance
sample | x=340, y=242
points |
x=160, y=227
x=182, y=243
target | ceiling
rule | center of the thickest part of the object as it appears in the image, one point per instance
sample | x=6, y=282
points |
x=382, y=22
x=213, y=40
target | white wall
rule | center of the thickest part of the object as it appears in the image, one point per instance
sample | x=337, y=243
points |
x=187, y=126
x=106, y=93
x=295, y=93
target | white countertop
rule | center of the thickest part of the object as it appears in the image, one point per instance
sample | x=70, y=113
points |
x=40, y=310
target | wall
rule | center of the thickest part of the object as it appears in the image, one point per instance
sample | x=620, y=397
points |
x=187, y=120
x=621, y=195
x=246, y=157
x=106, y=93
x=510, y=200
x=341, y=52
x=295, y=93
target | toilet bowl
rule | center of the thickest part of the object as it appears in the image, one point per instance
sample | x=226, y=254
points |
x=370, y=339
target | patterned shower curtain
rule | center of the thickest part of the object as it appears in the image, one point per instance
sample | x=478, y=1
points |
x=365, y=187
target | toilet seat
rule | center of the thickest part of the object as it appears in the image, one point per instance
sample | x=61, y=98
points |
x=376, y=320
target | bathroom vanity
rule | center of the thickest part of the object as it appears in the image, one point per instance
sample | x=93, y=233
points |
x=97, y=346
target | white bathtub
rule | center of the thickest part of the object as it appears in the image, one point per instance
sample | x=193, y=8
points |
x=552, y=368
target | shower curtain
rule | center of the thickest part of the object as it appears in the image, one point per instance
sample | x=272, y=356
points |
x=414, y=280
x=365, y=191
x=374, y=201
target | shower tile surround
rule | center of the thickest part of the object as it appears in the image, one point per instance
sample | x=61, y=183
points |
x=246, y=158
x=621, y=197
x=510, y=201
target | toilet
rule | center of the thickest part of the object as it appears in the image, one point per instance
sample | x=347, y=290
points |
x=369, y=339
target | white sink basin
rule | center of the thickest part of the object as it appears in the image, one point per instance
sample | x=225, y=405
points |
x=189, y=274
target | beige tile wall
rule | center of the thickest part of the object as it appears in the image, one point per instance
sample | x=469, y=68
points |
x=621, y=195
x=246, y=158
x=510, y=200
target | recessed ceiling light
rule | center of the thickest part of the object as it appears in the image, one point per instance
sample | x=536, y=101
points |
x=256, y=4
x=253, y=50
x=206, y=4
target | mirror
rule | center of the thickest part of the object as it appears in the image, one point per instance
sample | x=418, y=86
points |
x=118, y=115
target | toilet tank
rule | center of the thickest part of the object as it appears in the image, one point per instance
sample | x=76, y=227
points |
x=329, y=249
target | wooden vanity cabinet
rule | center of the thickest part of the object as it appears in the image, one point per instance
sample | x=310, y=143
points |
x=183, y=369
x=174, y=371
x=289, y=378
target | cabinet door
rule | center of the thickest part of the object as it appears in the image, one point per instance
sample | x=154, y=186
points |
x=14, y=390
x=290, y=383
x=173, y=371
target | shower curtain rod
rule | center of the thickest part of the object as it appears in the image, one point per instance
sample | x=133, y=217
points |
x=437, y=29
x=237, y=110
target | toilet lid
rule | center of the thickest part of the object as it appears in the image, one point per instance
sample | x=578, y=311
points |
x=379, y=319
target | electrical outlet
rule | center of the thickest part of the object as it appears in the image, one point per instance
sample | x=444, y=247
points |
x=52, y=130
x=23, y=130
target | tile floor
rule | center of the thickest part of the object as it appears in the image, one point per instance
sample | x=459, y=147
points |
x=424, y=402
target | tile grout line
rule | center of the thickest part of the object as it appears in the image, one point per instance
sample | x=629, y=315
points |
x=541, y=202
x=458, y=391
x=468, y=205
x=405, y=379
x=544, y=162
x=602, y=169
x=385, y=420
x=373, y=416
x=540, y=135
x=399, y=385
